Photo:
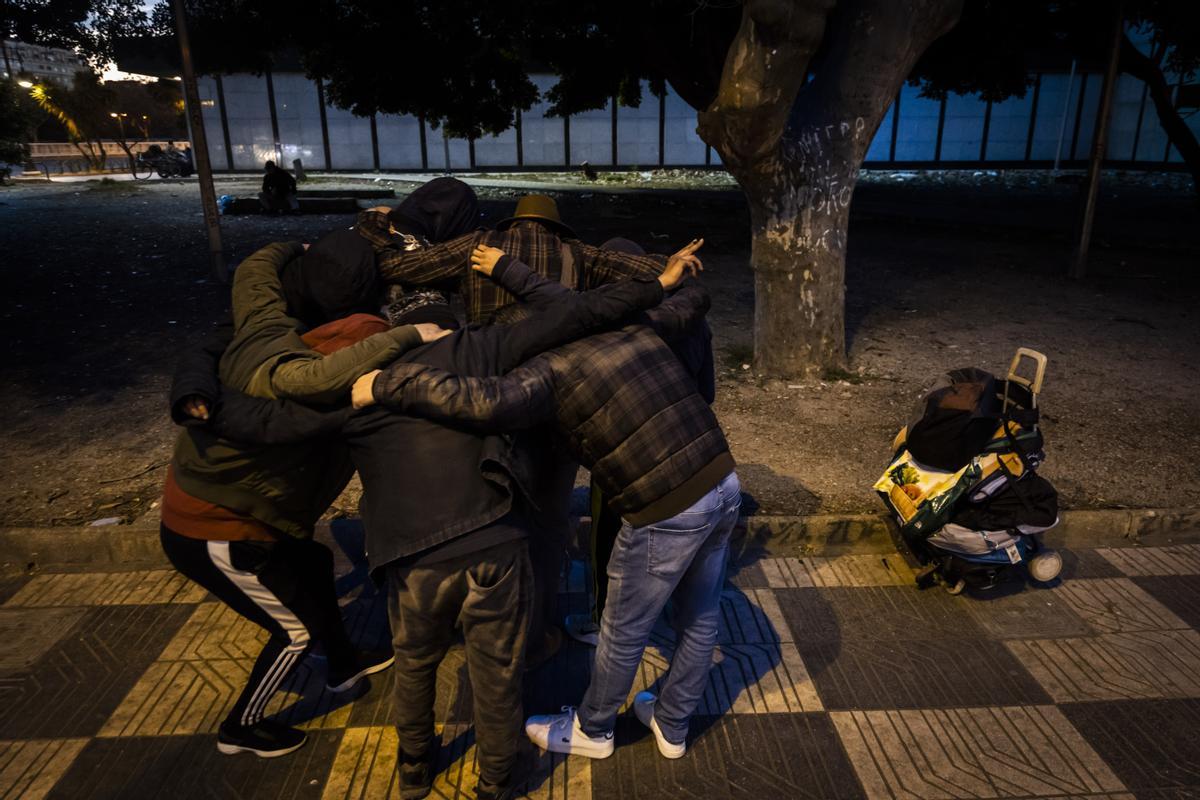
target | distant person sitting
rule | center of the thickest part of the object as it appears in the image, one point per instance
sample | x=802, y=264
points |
x=278, y=191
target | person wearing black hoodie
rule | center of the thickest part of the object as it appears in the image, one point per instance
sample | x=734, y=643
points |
x=437, y=211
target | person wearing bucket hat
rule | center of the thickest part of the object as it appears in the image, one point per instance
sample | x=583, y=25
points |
x=536, y=235
x=542, y=208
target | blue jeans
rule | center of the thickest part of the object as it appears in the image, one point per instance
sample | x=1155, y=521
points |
x=681, y=559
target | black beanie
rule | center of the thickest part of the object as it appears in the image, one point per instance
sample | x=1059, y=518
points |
x=334, y=278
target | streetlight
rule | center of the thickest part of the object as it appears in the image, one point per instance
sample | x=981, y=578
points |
x=25, y=84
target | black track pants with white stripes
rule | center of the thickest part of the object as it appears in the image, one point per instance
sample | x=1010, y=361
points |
x=285, y=587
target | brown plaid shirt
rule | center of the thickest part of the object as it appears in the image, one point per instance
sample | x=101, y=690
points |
x=629, y=410
x=531, y=242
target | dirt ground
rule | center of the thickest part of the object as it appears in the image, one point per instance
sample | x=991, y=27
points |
x=105, y=284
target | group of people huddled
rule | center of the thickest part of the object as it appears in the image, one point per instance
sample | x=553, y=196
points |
x=351, y=354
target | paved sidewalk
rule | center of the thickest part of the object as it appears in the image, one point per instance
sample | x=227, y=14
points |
x=835, y=678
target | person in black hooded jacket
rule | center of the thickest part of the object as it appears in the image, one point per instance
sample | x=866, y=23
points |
x=437, y=211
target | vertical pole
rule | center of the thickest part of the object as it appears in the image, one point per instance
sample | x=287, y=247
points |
x=224, y=123
x=1083, y=82
x=1062, y=123
x=614, y=130
x=1099, y=144
x=471, y=151
x=446, y=147
x=566, y=141
x=662, y=128
x=274, y=118
x=520, y=141
x=707, y=155
x=374, y=144
x=324, y=125
x=424, y=144
x=191, y=96
x=895, y=127
x=1037, y=91
x=937, y=145
x=987, y=127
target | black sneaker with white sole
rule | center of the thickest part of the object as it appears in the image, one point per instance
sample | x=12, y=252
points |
x=266, y=739
x=339, y=679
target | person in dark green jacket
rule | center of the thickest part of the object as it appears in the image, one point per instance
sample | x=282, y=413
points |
x=238, y=518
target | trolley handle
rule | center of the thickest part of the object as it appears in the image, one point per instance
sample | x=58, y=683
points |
x=1034, y=384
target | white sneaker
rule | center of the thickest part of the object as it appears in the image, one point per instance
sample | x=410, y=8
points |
x=560, y=733
x=581, y=628
x=643, y=707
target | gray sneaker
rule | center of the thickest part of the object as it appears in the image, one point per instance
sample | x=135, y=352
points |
x=581, y=628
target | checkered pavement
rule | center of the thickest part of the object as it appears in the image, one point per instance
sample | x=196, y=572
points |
x=835, y=677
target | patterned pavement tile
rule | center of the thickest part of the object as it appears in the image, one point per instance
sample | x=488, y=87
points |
x=1086, y=563
x=1150, y=744
x=107, y=588
x=27, y=633
x=747, y=575
x=1115, y=666
x=28, y=769
x=972, y=752
x=190, y=767
x=846, y=570
x=11, y=585
x=365, y=768
x=72, y=689
x=1179, y=559
x=875, y=613
x=918, y=674
x=1031, y=612
x=768, y=678
x=1180, y=593
x=1117, y=605
x=750, y=617
x=765, y=756
x=198, y=675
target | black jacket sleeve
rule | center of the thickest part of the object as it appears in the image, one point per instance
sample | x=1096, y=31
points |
x=522, y=399
x=676, y=316
x=570, y=316
x=236, y=416
x=196, y=373
x=253, y=420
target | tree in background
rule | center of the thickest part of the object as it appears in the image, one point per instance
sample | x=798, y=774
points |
x=83, y=110
x=89, y=26
x=140, y=111
x=790, y=93
x=993, y=49
x=19, y=117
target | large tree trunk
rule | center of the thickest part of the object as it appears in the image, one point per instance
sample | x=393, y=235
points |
x=796, y=148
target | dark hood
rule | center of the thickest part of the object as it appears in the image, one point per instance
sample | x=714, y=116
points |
x=440, y=210
x=334, y=278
